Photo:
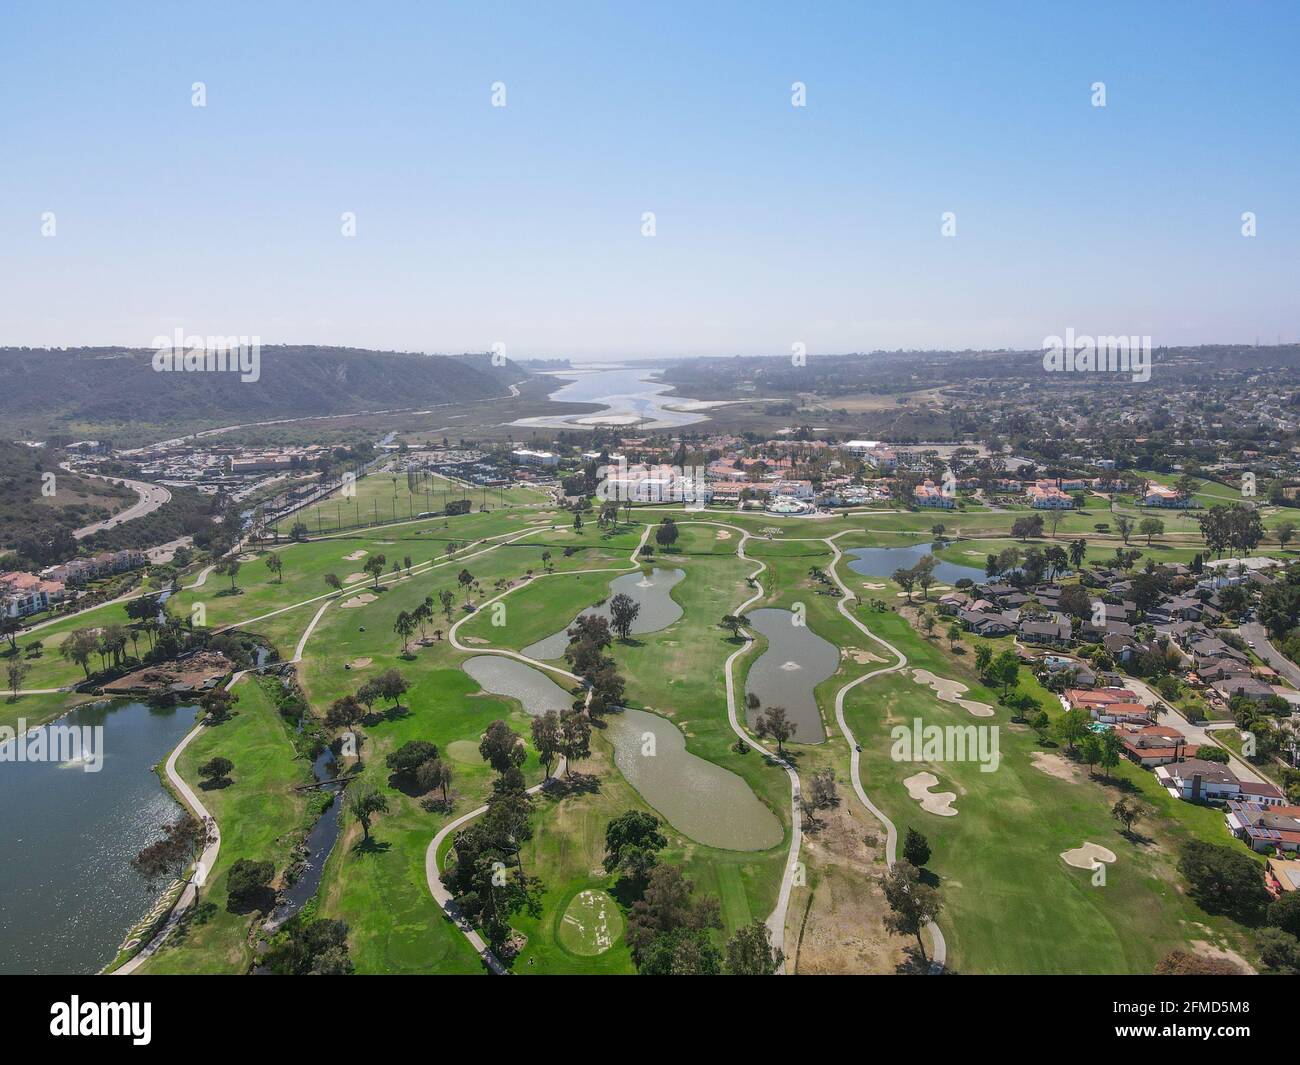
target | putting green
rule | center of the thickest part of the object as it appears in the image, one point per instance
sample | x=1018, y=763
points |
x=591, y=923
x=464, y=751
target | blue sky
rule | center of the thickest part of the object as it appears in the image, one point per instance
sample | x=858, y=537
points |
x=774, y=224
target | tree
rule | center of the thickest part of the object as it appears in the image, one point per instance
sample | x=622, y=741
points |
x=169, y=858
x=345, y=712
x=916, y=849
x=217, y=703
x=1124, y=526
x=404, y=626
x=1072, y=726
x=905, y=578
x=465, y=579
x=1005, y=670
x=749, y=952
x=374, y=567
x=1279, y=951
x=665, y=909
x=1111, y=749
x=546, y=739
x=364, y=804
x=216, y=769
x=230, y=568
x=1127, y=814
x=575, y=736
x=1284, y=913
x=773, y=722
x=433, y=773
x=15, y=670
x=1223, y=880
x=502, y=748
x=954, y=635
x=391, y=685
x=78, y=646
x=912, y=904
x=1150, y=527
x=666, y=533
x=1078, y=552
x=732, y=623
x=623, y=611
x=276, y=565
x=923, y=573
x=332, y=579
x=409, y=757
x=983, y=658
x=1285, y=532
x=248, y=886
x=1090, y=750
x=632, y=843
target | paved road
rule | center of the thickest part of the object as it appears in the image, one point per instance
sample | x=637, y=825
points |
x=1198, y=734
x=1254, y=632
x=152, y=496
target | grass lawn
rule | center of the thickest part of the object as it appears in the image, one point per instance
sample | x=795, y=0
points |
x=261, y=818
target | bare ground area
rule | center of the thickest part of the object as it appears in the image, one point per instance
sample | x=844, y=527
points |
x=843, y=930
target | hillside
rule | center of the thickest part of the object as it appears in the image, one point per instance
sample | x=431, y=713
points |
x=28, y=518
x=116, y=393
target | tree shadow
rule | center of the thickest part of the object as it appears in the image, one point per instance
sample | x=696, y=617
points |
x=260, y=901
x=215, y=785
x=371, y=846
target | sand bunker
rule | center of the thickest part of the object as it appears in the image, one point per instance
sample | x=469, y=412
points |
x=247, y=556
x=358, y=600
x=1087, y=856
x=359, y=663
x=874, y=586
x=940, y=803
x=861, y=657
x=352, y=578
x=475, y=639
x=356, y=556
x=950, y=691
x=723, y=535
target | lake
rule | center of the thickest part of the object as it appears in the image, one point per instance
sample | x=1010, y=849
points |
x=788, y=671
x=628, y=394
x=67, y=838
x=509, y=677
x=702, y=800
x=651, y=590
x=882, y=561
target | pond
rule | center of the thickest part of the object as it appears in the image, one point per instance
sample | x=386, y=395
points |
x=651, y=590
x=788, y=671
x=883, y=561
x=710, y=804
x=505, y=676
x=67, y=838
x=320, y=841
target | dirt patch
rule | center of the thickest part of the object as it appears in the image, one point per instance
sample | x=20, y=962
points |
x=359, y=663
x=1053, y=765
x=841, y=929
x=940, y=803
x=358, y=600
x=356, y=556
x=247, y=556
x=1209, y=950
x=475, y=640
x=1087, y=855
x=950, y=691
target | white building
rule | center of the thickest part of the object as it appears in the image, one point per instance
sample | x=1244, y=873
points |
x=523, y=456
